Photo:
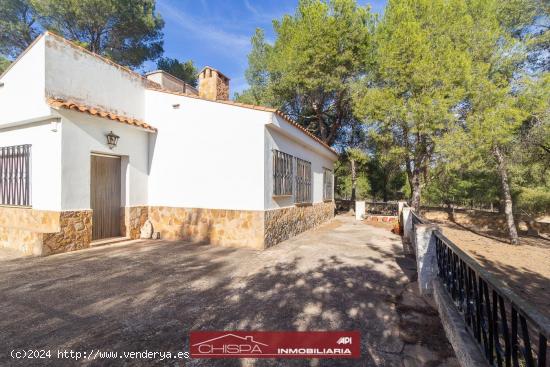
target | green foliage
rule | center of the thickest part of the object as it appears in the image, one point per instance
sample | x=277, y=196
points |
x=126, y=31
x=308, y=71
x=4, y=63
x=420, y=68
x=17, y=26
x=343, y=182
x=257, y=74
x=185, y=71
x=534, y=201
x=385, y=169
x=462, y=186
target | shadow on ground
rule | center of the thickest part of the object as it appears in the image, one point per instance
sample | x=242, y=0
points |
x=149, y=295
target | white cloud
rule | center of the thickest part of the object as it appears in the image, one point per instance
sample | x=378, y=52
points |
x=215, y=36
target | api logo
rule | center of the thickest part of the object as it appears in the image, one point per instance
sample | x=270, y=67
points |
x=344, y=340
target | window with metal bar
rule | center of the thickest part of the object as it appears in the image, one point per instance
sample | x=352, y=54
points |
x=282, y=173
x=15, y=175
x=303, y=182
x=328, y=184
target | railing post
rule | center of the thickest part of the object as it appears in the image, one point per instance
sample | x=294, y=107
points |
x=400, y=206
x=425, y=249
x=359, y=210
x=406, y=217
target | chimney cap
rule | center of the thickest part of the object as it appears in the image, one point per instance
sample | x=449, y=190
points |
x=213, y=69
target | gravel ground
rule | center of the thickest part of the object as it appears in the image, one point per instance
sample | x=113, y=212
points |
x=148, y=295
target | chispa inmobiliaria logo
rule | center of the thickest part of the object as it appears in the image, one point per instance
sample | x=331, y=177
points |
x=275, y=344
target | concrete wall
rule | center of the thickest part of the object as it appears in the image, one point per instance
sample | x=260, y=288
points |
x=84, y=134
x=283, y=138
x=206, y=154
x=45, y=160
x=22, y=96
x=74, y=74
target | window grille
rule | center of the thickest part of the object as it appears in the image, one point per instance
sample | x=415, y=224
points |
x=303, y=181
x=328, y=184
x=15, y=175
x=282, y=173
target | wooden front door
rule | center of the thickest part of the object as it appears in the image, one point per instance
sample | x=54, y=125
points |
x=105, y=196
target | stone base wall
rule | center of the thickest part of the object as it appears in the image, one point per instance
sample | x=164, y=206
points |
x=40, y=233
x=282, y=224
x=219, y=227
x=28, y=243
x=75, y=234
x=132, y=219
x=29, y=219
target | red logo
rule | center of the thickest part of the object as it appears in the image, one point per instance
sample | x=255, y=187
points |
x=277, y=344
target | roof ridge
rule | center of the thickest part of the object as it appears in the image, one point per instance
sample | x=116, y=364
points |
x=102, y=58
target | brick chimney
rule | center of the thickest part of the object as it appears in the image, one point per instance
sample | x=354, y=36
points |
x=213, y=84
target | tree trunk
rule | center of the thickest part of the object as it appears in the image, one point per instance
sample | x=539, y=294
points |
x=416, y=189
x=353, y=180
x=508, y=207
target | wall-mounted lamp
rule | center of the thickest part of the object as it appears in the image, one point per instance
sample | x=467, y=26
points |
x=112, y=139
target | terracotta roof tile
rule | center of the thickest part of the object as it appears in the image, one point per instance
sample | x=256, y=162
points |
x=94, y=111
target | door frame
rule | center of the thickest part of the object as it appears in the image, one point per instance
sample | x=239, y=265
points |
x=122, y=182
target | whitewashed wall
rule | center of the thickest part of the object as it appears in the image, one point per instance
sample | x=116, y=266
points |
x=45, y=161
x=84, y=134
x=288, y=139
x=22, y=96
x=76, y=75
x=206, y=154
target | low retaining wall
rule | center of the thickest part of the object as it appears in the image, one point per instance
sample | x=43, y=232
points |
x=37, y=232
x=466, y=350
x=440, y=260
x=419, y=239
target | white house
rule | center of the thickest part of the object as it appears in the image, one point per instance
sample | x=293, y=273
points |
x=200, y=167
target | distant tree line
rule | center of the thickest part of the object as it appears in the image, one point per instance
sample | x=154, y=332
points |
x=441, y=101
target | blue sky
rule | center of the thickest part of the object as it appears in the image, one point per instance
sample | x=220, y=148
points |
x=217, y=32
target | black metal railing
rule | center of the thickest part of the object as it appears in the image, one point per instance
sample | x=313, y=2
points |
x=509, y=331
x=15, y=175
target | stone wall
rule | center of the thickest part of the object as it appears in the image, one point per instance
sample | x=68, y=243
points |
x=22, y=229
x=28, y=243
x=75, y=234
x=39, y=233
x=30, y=219
x=219, y=227
x=282, y=224
x=34, y=232
x=132, y=219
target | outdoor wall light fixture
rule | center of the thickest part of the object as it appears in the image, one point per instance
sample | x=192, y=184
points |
x=112, y=140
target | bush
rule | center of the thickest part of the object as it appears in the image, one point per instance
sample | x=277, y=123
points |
x=534, y=200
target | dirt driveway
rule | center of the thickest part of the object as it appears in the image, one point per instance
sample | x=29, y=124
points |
x=148, y=295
